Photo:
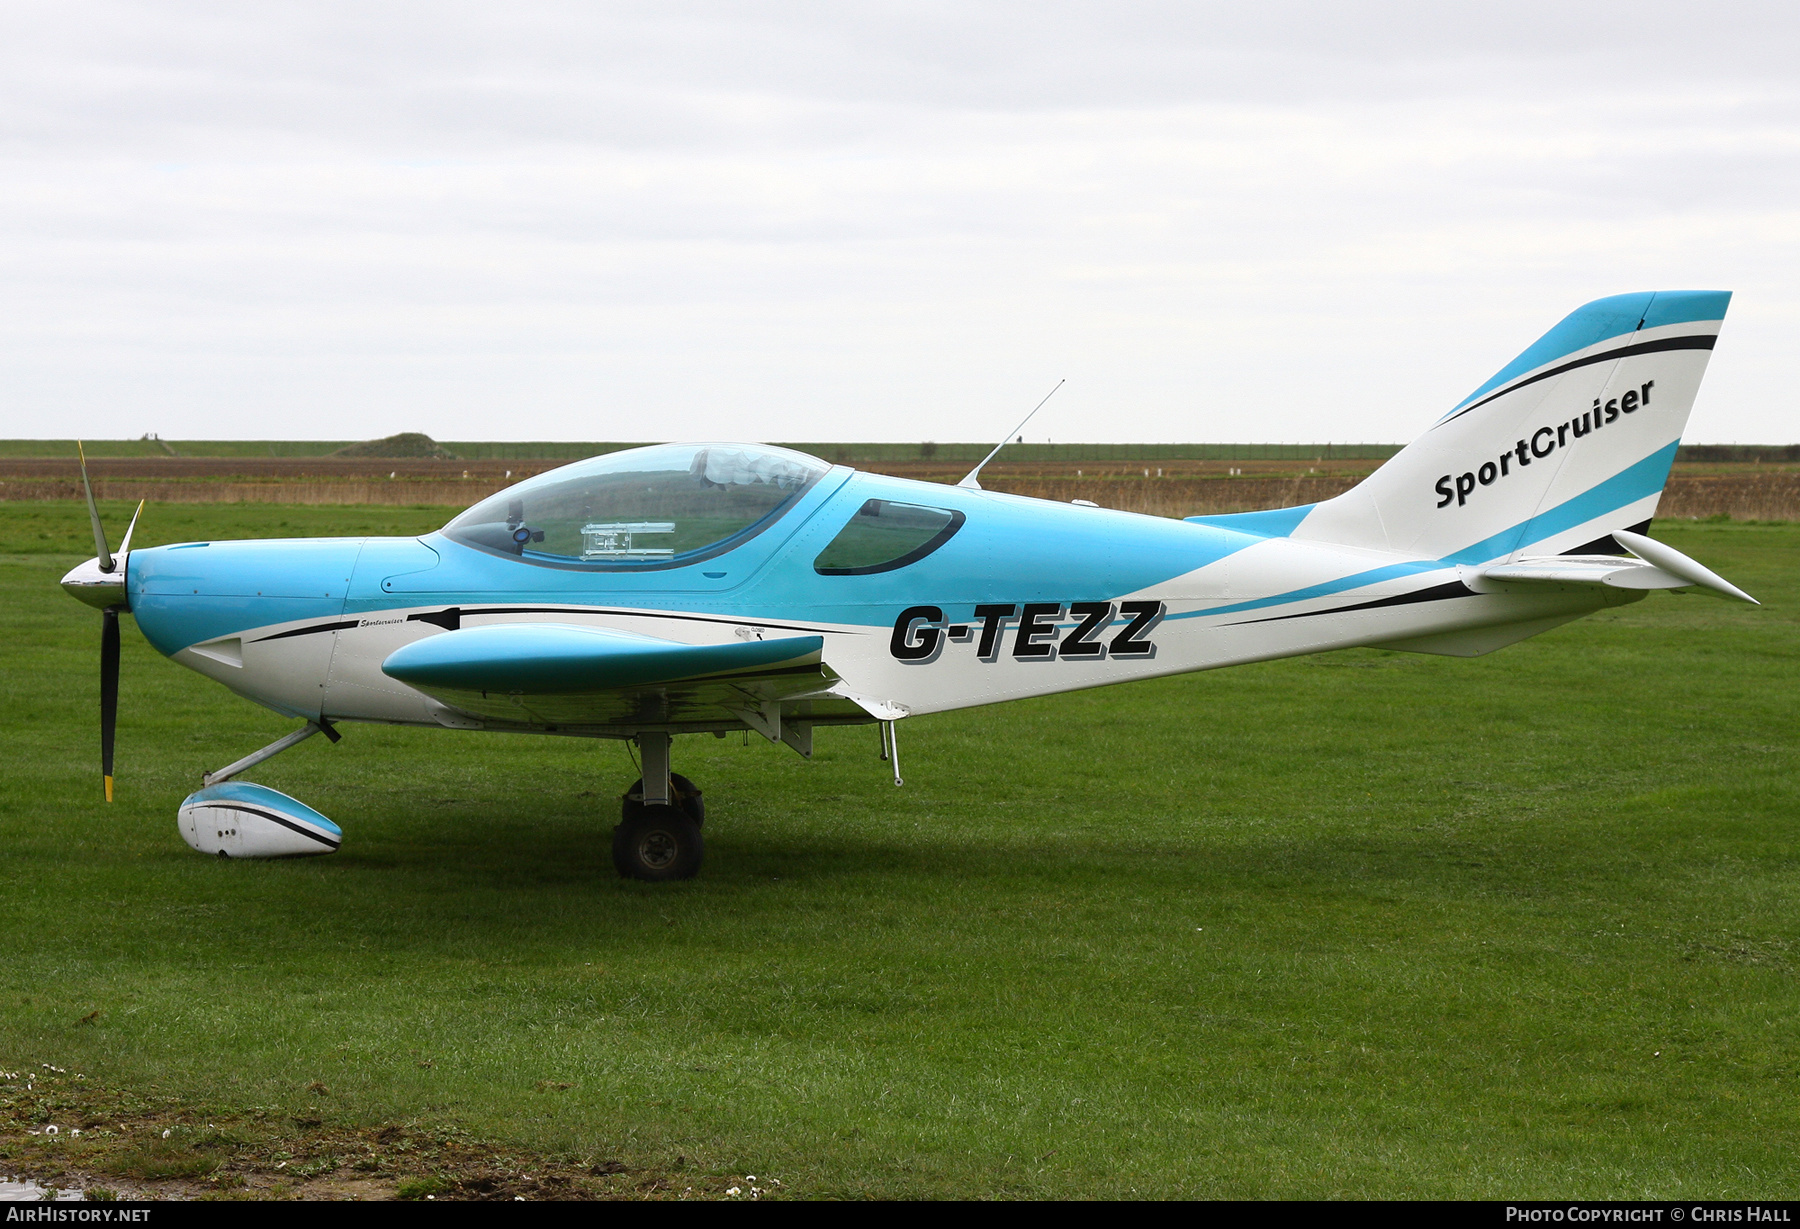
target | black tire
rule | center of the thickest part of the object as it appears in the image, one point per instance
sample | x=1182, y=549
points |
x=661, y=844
x=682, y=792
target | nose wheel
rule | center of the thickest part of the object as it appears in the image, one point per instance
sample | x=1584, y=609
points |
x=658, y=837
x=658, y=844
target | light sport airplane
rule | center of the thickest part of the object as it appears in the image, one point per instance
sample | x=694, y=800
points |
x=707, y=588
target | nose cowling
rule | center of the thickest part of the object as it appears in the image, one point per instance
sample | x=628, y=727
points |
x=85, y=582
x=191, y=592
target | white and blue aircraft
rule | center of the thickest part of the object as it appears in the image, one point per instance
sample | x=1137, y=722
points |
x=706, y=588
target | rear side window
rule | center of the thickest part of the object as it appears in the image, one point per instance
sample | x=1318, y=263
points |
x=884, y=535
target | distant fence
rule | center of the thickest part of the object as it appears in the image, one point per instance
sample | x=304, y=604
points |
x=849, y=452
x=434, y=493
x=1764, y=496
x=843, y=452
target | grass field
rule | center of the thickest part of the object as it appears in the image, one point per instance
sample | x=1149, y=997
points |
x=1364, y=924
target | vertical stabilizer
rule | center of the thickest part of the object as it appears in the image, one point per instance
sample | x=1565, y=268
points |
x=1568, y=442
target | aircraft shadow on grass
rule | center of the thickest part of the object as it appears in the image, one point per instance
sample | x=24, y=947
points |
x=556, y=862
x=702, y=589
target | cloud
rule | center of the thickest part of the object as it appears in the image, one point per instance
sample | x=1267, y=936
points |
x=875, y=221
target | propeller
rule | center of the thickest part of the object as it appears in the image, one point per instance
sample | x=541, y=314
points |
x=101, y=582
x=109, y=692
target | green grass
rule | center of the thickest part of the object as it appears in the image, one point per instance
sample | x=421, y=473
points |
x=161, y=1158
x=1365, y=924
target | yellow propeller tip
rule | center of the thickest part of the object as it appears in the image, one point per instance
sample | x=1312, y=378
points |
x=109, y=789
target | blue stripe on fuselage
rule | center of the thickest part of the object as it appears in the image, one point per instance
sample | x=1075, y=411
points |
x=1322, y=589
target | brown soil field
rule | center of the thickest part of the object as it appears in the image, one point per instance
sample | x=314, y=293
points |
x=345, y=469
x=63, y=1132
x=1179, y=488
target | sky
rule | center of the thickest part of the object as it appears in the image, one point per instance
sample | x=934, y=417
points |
x=871, y=221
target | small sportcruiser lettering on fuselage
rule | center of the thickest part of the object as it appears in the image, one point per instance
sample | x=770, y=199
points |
x=921, y=632
x=1543, y=442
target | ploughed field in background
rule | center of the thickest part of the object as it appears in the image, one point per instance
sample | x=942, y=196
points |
x=1755, y=483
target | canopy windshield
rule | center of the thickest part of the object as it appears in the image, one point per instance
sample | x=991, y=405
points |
x=642, y=508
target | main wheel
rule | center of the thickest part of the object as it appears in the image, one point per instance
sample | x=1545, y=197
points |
x=659, y=844
x=682, y=792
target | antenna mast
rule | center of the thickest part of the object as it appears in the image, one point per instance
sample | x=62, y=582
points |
x=969, y=480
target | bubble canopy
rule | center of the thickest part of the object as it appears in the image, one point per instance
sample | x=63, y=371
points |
x=643, y=508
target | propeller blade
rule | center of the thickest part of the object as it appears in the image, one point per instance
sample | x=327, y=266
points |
x=125, y=546
x=100, y=551
x=109, y=692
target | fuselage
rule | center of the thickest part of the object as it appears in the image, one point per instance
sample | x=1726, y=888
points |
x=1024, y=597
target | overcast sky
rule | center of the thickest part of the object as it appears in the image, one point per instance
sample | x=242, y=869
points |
x=871, y=221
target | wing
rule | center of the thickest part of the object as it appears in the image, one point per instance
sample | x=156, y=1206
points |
x=560, y=675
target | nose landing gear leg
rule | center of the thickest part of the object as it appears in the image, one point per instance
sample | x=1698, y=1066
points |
x=658, y=837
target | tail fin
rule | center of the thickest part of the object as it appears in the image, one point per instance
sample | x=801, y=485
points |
x=1568, y=442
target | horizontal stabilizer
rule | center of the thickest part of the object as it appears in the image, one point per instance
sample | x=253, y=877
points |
x=1584, y=570
x=1657, y=566
x=547, y=659
x=1673, y=561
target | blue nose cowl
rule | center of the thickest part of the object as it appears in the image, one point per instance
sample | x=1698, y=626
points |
x=198, y=591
